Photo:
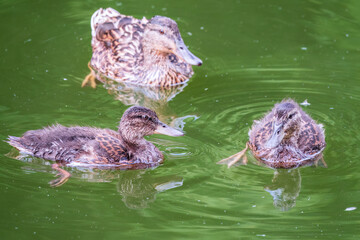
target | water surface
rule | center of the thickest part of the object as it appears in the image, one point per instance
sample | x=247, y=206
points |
x=255, y=53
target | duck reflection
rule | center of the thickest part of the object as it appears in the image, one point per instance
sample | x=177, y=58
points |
x=153, y=97
x=139, y=188
x=285, y=188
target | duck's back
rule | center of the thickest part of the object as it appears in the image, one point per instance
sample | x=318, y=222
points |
x=116, y=43
x=311, y=138
x=72, y=144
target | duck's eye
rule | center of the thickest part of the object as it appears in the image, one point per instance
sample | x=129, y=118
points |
x=161, y=31
x=173, y=58
x=145, y=117
x=291, y=116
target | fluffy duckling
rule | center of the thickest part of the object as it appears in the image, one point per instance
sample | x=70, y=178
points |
x=87, y=146
x=142, y=52
x=285, y=138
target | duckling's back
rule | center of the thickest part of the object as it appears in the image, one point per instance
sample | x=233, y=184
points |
x=81, y=144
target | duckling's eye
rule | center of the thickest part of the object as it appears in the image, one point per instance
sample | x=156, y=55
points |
x=291, y=116
x=161, y=31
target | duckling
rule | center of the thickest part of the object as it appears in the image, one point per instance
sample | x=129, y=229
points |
x=142, y=52
x=87, y=146
x=285, y=138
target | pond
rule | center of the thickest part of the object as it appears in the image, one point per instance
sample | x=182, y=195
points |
x=255, y=53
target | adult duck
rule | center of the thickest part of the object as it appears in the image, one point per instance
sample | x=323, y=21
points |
x=142, y=52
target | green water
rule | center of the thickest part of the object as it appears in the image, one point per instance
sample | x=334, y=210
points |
x=255, y=53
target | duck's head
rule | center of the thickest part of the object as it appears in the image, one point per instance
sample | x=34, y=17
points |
x=162, y=38
x=286, y=121
x=138, y=122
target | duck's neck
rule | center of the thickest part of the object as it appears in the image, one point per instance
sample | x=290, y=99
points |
x=139, y=149
x=130, y=138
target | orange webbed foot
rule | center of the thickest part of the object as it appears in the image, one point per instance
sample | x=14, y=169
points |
x=90, y=78
x=64, y=176
x=230, y=161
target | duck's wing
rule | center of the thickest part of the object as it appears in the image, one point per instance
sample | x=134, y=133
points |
x=110, y=148
x=311, y=138
x=260, y=132
x=116, y=42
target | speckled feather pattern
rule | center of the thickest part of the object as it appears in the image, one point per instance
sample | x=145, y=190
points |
x=303, y=148
x=118, y=52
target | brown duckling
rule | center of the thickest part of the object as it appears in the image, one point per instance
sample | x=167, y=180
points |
x=87, y=146
x=142, y=52
x=285, y=138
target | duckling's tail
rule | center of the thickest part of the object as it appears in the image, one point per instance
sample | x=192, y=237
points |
x=16, y=143
x=101, y=16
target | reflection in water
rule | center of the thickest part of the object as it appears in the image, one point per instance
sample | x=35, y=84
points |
x=155, y=98
x=285, y=188
x=138, y=188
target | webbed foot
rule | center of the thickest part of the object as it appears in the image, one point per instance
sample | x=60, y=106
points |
x=90, y=78
x=64, y=176
x=321, y=163
x=230, y=161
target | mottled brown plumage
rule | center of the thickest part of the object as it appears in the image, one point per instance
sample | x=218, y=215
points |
x=87, y=146
x=285, y=138
x=143, y=52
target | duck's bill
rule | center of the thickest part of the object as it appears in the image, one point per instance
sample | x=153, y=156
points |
x=166, y=130
x=185, y=54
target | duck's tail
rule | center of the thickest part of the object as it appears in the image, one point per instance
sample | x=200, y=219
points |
x=101, y=16
x=16, y=143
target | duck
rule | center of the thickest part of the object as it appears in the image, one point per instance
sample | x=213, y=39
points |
x=95, y=147
x=286, y=137
x=142, y=52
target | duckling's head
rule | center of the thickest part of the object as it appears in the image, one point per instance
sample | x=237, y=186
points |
x=286, y=121
x=162, y=38
x=138, y=122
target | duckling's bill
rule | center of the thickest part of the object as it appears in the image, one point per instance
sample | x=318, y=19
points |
x=164, y=129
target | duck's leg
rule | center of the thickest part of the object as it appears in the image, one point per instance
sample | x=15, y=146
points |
x=230, y=161
x=64, y=176
x=323, y=163
x=90, y=78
